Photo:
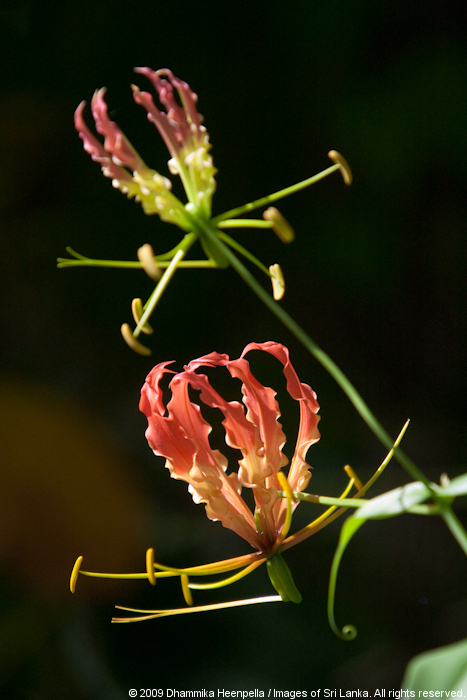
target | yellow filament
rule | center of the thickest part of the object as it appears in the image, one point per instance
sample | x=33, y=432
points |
x=289, y=495
x=150, y=566
x=146, y=258
x=386, y=460
x=74, y=574
x=352, y=475
x=259, y=529
x=132, y=342
x=329, y=516
x=185, y=581
x=339, y=160
x=227, y=581
x=137, y=311
x=329, y=510
x=218, y=567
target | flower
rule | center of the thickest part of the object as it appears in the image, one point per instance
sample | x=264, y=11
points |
x=178, y=432
x=188, y=143
x=184, y=135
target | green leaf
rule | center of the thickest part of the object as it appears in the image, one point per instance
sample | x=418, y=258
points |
x=443, y=669
x=456, y=487
x=394, y=502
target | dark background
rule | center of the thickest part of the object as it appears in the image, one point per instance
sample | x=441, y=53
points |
x=376, y=276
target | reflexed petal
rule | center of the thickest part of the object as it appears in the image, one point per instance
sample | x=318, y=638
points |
x=181, y=125
x=115, y=142
x=98, y=152
x=263, y=411
x=308, y=432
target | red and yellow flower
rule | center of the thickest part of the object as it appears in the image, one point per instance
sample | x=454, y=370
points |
x=178, y=432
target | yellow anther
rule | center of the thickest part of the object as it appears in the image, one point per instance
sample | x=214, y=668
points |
x=74, y=574
x=185, y=588
x=278, y=282
x=280, y=226
x=137, y=311
x=343, y=166
x=146, y=258
x=352, y=475
x=132, y=342
x=150, y=566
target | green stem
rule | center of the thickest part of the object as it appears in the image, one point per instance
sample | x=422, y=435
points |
x=326, y=500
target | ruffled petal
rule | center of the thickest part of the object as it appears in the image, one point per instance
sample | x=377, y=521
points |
x=97, y=151
x=115, y=142
x=240, y=433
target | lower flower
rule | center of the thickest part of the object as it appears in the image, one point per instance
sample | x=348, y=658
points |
x=178, y=432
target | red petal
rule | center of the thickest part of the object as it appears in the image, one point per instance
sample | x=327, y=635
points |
x=97, y=150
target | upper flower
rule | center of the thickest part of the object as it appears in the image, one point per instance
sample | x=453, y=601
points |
x=188, y=143
x=179, y=433
x=184, y=135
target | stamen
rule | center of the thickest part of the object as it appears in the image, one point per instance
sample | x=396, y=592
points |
x=244, y=223
x=352, y=475
x=185, y=245
x=199, y=608
x=327, y=512
x=289, y=495
x=278, y=282
x=137, y=311
x=227, y=581
x=339, y=160
x=133, y=342
x=150, y=566
x=280, y=226
x=386, y=460
x=74, y=574
x=276, y=195
x=218, y=567
x=146, y=258
x=186, y=590
x=259, y=529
